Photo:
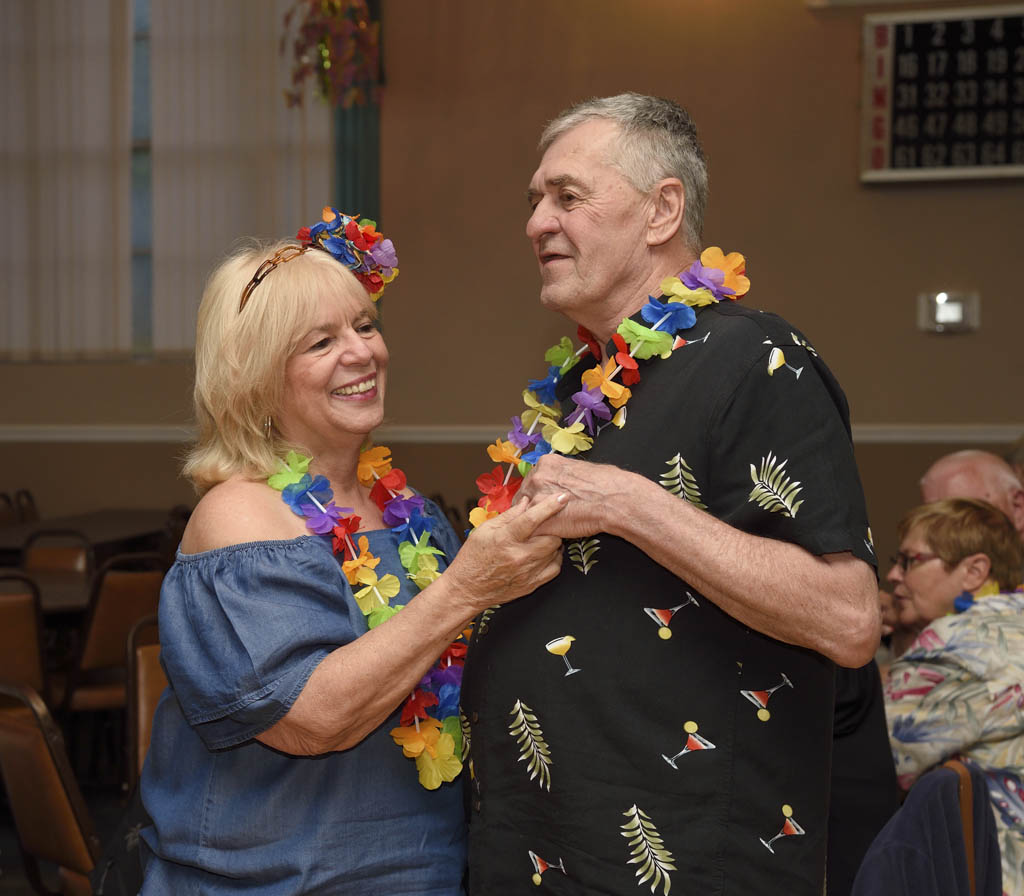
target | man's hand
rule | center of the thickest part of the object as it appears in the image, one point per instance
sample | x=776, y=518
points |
x=592, y=490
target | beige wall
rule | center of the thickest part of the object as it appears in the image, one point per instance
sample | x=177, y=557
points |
x=775, y=89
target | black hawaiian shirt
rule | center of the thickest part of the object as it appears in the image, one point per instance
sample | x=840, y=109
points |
x=627, y=736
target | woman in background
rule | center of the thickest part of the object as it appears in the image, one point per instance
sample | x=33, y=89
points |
x=958, y=691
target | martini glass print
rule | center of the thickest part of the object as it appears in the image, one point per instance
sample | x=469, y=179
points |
x=693, y=742
x=540, y=866
x=790, y=828
x=777, y=359
x=760, y=698
x=664, y=617
x=560, y=647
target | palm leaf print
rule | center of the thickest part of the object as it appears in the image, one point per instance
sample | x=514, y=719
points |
x=679, y=480
x=485, y=618
x=581, y=554
x=464, y=722
x=648, y=850
x=773, y=490
x=533, y=750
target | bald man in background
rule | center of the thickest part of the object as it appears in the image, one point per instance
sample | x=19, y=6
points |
x=976, y=474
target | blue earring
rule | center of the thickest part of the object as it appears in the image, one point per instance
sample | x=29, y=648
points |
x=963, y=601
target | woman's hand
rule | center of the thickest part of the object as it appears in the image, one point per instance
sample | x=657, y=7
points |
x=505, y=558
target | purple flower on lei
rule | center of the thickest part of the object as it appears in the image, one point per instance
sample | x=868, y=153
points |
x=677, y=316
x=384, y=255
x=438, y=677
x=399, y=511
x=545, y=389
x=589, y=404
x=519, y=437
x=323, y=521
x=697, y=276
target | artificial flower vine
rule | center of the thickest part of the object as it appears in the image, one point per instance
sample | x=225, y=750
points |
x=430, y=731
x=540, y=430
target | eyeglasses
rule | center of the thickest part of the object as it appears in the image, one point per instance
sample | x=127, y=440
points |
x=279, y=257
x=906, y=561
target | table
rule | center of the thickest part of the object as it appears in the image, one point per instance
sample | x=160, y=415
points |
x=108, y=531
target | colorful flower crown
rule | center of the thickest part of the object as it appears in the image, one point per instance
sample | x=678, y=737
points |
x=358, y=245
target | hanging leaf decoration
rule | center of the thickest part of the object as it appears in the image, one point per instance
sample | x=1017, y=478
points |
x=679, y=480
x=337, y=43
x=581, y=554
x=533, y=750
x=648, y=850
x=773, y=490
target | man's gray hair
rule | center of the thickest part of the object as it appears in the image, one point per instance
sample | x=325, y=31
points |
x=658, y=139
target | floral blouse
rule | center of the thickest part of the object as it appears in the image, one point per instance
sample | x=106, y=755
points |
x=957, y=692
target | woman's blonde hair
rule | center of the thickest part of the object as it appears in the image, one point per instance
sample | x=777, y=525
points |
x=241, y=355
x=959, y=527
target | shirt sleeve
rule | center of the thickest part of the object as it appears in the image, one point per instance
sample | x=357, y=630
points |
x=783, y=462
x=935, y=703
x=243, y=628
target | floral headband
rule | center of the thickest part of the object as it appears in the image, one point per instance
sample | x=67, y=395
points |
x=357, y=244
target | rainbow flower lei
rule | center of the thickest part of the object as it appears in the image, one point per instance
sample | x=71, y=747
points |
x=539, y=430
x=358, y=245
x=430, y=730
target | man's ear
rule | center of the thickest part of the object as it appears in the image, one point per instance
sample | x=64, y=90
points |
x=668, y=201
x=976, y=571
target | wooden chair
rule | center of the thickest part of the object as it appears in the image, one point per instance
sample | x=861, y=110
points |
x=124, y=590
x=8, y=512
x=21, y=634
x=25, y=504
x=146, y=683
x=52, y=820
x=64, y=549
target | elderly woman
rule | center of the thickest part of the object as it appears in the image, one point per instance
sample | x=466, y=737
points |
x=958, y=691
x=309, y=741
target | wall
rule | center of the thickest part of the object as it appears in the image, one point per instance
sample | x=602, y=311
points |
x=775, y=89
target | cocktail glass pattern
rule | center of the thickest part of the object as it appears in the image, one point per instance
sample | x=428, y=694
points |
x=790, y=828
x=560, y=647
x=760, y=698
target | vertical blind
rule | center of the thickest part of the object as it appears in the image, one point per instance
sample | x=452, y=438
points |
x=229, y=159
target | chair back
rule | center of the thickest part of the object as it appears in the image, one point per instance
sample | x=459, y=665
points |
x=50, y=815
x=125, y=589
x=8, y=512
x=21, y=633
x=66, y=549
x=146, y=683
x=25, y=504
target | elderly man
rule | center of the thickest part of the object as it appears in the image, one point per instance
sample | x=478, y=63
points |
x=660, y=714
x=976, y=474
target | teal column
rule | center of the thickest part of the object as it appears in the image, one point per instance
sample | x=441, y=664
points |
x=357, y=160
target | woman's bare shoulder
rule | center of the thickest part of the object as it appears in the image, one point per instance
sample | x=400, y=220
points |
x=238, y=511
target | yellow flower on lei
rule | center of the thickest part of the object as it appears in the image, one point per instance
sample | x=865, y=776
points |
x=568, y=439
x=536, y=413
x=675, y=291
x=479, y=515
x=426, y=571
x=377, y=591
x=364, y=560
x=732, y=265
x=595, y=378
x=439, y=763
